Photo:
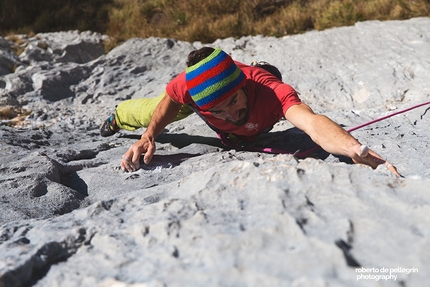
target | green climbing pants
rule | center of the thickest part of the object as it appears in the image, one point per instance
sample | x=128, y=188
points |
x=137, y=113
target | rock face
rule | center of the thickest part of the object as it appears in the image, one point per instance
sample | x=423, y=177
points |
x=201, y=215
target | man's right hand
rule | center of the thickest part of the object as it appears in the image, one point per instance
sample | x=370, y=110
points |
x=165, y=112
x=131, y=159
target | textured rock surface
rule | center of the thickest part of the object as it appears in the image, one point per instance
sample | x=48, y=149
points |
x=199, y=215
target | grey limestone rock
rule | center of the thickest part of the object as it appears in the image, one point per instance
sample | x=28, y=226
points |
x=200, y=214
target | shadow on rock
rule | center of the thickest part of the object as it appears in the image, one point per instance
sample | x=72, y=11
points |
x=288, y=141
x=182, y=140
x=76, y=183
x=166, y=161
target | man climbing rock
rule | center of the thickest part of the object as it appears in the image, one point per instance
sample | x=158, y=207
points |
x=238, y=101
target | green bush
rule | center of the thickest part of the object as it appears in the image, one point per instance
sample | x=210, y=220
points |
x=197, y=20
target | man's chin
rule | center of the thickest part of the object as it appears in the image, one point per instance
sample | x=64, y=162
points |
x=240, y=123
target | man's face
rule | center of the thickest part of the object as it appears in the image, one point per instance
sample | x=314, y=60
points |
x=233, y=110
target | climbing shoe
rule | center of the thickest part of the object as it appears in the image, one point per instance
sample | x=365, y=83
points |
x=109, y=127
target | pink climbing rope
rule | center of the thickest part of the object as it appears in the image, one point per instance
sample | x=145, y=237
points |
x=315, y=148
x=388, y=116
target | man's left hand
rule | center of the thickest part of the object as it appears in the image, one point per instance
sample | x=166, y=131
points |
x=364, y=155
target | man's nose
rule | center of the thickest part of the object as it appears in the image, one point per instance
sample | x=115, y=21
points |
x=232, y=115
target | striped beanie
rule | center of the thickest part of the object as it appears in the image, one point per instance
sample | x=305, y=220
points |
x=214, y=79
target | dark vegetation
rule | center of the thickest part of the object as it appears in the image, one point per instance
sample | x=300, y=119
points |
x=197, y=20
